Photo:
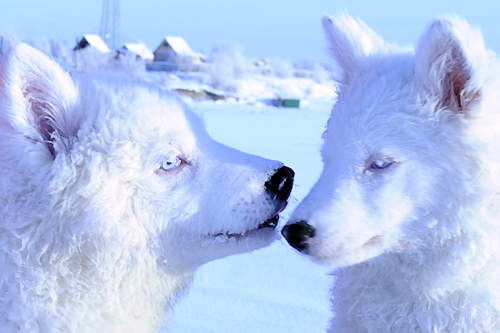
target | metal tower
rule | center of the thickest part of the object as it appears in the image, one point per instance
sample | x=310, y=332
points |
x=110, y=23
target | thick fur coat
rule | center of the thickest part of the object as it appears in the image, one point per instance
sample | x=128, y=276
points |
x=111, y=195
x=407, y=207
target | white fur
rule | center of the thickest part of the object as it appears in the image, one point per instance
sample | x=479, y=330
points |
x=415, y=245
x=93, y=236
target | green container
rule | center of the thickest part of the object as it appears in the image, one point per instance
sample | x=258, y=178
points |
x=289, y=103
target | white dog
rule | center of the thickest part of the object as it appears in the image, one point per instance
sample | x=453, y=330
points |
x=111, y=195
x=407, y=208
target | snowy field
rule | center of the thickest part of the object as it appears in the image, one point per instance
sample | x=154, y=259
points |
x=273, y=289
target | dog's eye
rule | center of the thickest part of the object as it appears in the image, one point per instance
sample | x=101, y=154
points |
x=170, y=163
x=380, y=164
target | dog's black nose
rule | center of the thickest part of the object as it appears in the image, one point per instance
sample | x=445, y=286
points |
x=281, y=182
x=297, y=234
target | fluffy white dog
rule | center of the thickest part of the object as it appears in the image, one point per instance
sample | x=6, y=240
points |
x=111, y=195
x=407, y=207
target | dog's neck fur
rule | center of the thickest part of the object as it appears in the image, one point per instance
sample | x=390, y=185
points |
x=133, y=300
x=78, y=276
x=456, y=286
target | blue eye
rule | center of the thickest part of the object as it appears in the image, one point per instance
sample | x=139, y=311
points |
x=170, y=163
x=379, y=164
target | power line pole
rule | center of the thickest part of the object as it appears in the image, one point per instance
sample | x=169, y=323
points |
x=110, y=23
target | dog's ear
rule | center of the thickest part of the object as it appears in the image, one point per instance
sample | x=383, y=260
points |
x=37, y=99
x=349, y=40
x=448, y=61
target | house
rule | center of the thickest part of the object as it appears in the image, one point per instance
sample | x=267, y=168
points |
x=141, y=51
x=175, y=49
x=93, y=41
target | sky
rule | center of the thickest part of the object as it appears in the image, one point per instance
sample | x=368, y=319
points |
x=289, y=29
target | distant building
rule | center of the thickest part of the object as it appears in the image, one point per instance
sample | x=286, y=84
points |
x=175, y=49
x=93, y=41
x=141, y=51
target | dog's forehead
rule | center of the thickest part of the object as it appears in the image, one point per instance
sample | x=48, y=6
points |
x=160, y=112
x=373, y=108
x=384, y=88
x=165, y=118
x=139, y=112
x=382, y=80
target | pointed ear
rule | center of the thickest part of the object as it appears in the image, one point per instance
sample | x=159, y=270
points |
x=37, y=98
x=349, y=40
x=448, y=65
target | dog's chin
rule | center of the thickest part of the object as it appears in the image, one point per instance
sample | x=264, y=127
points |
x=265, y=230
x=259, y=236
x=221, y=245
x=353, y=256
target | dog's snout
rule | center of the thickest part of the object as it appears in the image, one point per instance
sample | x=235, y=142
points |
x=297, y=235
x=281, y=182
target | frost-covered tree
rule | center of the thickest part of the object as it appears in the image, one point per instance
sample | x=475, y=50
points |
x=319, y=74
x=228, y=65
x=91, y=59
x=282, y=67
x=56, y=49
x=130, y=64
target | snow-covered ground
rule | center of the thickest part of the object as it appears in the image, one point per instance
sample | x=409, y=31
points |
x=273, y=289
x=251, y=89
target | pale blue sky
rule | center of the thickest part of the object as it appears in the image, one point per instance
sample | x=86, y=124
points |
x=266, y=28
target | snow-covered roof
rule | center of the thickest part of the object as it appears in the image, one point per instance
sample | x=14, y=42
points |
x=179, y=45
x=140, y=50
x=97, y=42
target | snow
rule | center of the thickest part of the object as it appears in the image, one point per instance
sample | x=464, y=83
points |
x=252, y=89
x=274, y=289
x=138, y=49
x=179, y=45
x=97, y=42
